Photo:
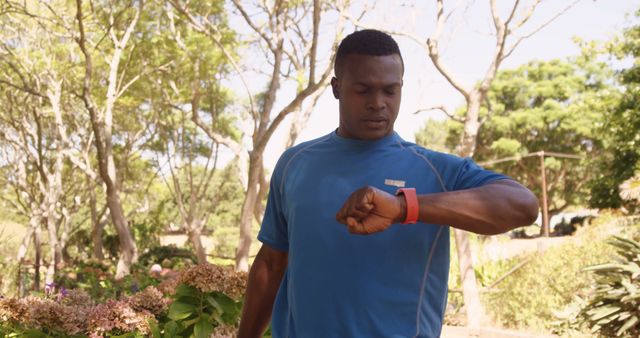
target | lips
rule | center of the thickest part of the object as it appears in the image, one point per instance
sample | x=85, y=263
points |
x=376, y=122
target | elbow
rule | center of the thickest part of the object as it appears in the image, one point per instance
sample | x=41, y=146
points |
x=530, y=209
x=524, y=211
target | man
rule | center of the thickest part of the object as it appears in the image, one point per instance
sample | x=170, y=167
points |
x=316, y=271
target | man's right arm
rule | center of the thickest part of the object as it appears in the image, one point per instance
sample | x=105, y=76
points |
x=264, y=280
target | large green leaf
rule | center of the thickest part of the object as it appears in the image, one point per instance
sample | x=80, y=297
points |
x=631, y=322
x=602, y=312
x=180, y=310
x=184, y=290
x=203, y=327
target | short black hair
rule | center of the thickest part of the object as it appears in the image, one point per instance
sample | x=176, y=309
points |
x=366, y=42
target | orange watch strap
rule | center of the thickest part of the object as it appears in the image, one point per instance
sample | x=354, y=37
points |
x=411, y=199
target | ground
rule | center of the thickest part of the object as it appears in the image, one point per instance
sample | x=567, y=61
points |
x=487, y=332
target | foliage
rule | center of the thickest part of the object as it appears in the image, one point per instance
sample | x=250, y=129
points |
x=630, y=189
x=551, y=106
x=621, y=127
x=196, y=313
x=169, y=256
x=531, y=296
x=200, y=301
x=614, y=308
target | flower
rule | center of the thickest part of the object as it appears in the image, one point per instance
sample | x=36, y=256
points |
x=150, y=299
x=224, y=331
x=14, y=310
x=77, y=298
x=209, y=278
x=117, y=315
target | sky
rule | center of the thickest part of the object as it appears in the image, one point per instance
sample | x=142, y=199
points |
x=467, y=46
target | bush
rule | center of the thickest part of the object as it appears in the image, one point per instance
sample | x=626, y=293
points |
x=169, y=256
x=202, y=300
x=530, y=297
x=614, y=307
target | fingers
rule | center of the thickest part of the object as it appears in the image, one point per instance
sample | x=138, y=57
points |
x=361, y=214
x=357, y=206
x=356, y=227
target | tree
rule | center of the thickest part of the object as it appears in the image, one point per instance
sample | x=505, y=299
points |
x=552, y=106
x=118, y=24
x=507, y=39
x=188, y=87
x=288, y=34
x=621, y=128
x=34, y=132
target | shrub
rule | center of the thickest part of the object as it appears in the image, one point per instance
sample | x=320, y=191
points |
x=170, y=256
x=614, y=307
x=201, y=301
x=530, y=297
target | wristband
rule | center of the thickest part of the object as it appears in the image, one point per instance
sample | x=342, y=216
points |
x=411, y=200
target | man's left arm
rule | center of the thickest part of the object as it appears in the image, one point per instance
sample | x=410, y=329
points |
x=493, y=208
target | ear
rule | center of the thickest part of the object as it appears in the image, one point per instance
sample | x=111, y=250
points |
x=334, y=87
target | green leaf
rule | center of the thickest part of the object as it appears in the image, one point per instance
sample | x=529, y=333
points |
x=603, y=312
x=155, y=330
x=203, y=327
x=34, y=334
x=214, y=303
x=170, y=329
x=607, y=267
x=184, y=290
x=180, y=310
x=627, y=325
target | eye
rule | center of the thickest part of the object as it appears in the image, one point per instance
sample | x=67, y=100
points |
x=391, y=90
x=360, y=89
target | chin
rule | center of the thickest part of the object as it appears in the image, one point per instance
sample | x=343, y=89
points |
x=373, y=134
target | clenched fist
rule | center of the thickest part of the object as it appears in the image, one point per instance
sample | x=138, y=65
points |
x=369, y=210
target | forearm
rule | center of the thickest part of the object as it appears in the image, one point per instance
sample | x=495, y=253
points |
x=264, y=279
x=491, y=209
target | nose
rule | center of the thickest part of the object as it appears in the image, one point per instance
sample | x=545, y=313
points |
x=376, y=101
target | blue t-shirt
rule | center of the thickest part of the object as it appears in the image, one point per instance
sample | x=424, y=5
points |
x=389, y=284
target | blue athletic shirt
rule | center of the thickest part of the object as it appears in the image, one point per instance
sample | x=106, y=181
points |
x=337, y=284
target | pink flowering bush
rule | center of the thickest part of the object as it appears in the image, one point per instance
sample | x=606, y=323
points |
x=201, y=301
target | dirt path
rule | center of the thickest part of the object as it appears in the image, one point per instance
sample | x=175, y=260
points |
x=487, y=332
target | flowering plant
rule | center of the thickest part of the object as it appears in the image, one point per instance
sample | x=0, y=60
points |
x=201, y=301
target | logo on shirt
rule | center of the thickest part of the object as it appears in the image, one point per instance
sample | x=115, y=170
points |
x=394, y=183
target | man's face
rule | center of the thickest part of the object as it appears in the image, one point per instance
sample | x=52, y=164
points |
x=369, y=89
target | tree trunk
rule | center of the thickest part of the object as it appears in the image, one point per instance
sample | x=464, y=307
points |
x=471, y=294
x=128, y=250
x=38, y=256
x=54, y=247
x=246, y=216
x=195, y=234
x=97, y=227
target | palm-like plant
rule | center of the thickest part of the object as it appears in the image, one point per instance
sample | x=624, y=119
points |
x=630, y=189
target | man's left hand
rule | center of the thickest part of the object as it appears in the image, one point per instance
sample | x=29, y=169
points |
x=369, y=210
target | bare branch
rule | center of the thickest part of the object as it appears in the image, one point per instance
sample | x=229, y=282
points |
x=314, y=43
x=543, y=25
x=527, y=14
x=253, y=26
x=434, y=54
x=208, y=30
x=356, y=22
x=442, y=109
x=513, y=13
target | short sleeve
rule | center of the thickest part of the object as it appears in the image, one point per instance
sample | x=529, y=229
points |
x=470, y=175
x=274, y=229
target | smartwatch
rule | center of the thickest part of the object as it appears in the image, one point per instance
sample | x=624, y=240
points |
x=411, y=199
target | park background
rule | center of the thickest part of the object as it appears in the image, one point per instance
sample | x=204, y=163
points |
x=137, y=140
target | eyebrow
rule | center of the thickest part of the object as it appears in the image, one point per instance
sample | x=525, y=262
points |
x=384, y=85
